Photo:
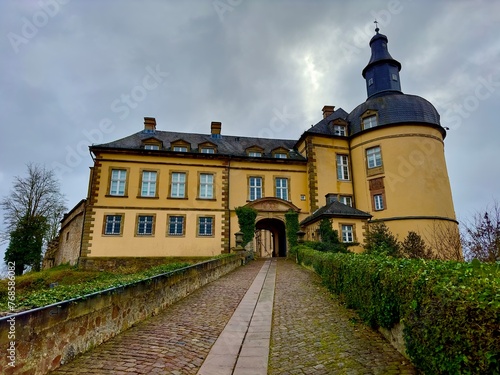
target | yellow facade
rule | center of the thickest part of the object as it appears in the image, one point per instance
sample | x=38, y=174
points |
x=162, y=193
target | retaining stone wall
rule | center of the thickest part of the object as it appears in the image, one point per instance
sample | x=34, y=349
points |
x=49, y=337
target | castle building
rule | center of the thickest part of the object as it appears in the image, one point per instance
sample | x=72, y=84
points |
x=162, y=193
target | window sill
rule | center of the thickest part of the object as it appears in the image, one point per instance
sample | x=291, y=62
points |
x=142, y=197
x=178, y=198
x=375, y=171
x=207, y=199
x=116, y=196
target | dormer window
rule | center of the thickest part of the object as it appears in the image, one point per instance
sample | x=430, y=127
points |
x=207, y=150
x=255, y=151
x=339, y=130
x=280, y=153
x=152, y=143
x=370, y=122
x=180, y=146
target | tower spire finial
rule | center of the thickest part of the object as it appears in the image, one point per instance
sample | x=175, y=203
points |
x=376, y=26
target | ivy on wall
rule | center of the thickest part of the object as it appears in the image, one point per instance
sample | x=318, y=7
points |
x=246, y=221
x=292, y=227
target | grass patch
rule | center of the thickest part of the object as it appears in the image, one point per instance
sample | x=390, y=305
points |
x=37, y=289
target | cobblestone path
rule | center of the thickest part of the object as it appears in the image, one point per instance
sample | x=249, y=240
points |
x=313, y=334
x=177, y=340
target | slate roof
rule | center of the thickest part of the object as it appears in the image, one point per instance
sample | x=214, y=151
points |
x=395, y=108
x=226, y=145
x=323, y=126
x=335, y=209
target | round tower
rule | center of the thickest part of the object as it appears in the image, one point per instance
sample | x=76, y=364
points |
x=397, y=152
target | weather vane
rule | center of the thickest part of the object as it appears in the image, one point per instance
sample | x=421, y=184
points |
x=376, y=26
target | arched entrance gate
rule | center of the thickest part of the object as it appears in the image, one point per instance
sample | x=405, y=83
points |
x=270, y=230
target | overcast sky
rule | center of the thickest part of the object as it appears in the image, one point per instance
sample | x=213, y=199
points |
x=77, y=72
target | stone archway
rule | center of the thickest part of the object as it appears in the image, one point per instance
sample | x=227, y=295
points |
x=270, y=237
x=270, y=231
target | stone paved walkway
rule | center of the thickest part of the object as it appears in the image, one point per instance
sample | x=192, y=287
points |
x=311, y=332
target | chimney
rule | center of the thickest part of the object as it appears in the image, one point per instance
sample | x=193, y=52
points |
x=328, y=110
x=215, y=129
x=149, y=124
x=331, y=197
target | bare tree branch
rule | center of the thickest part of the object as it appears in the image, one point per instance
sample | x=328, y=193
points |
x=36, y=195
x=481, y=235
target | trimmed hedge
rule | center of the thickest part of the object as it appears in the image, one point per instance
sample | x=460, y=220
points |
x=450, y=310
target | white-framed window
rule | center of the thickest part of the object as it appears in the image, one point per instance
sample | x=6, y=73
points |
x=180, y=148
x=374, y=157
x=280, y=155
x=255, y=188
x=347, y=233
x=151, y=147
x=145, y=225
x=342, y=167
x=206, y=185
x=176, y=225
x=255, y=154
x=113, y=224
x=378, y=200
x=370, y=122
x=207, y=150
x=178, y=185
x=339, y=130
x=346, y=199
x=205, y=226
x=281, y=185
x=118, y=182
x=148, y=186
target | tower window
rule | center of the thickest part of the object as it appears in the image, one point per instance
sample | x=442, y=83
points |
x=374, y=157
x=370, y=82
x=394, y=77
x=370, y=122
x=378, y=201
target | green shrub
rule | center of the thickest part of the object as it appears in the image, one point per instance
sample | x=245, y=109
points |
x=380, y=241
x=450, y=310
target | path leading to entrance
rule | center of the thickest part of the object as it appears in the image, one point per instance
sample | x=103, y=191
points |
x=225, y=328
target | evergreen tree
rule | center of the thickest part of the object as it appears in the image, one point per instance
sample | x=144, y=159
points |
x=380, y=240
x=25, y=246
